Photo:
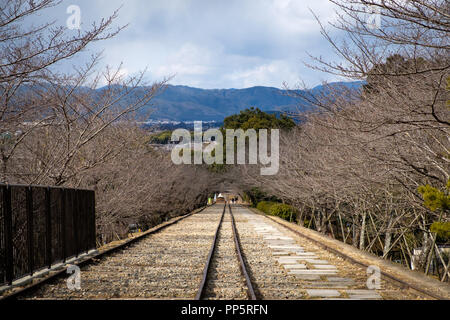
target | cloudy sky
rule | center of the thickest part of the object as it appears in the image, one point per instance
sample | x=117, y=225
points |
x=211, y=43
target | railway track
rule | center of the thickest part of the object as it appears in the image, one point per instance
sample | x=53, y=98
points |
x=222, y=252
x=225, y=275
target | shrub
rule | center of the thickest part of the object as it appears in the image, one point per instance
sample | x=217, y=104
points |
x=161, y=138
x=434, y=198
x=306, y=223
x=256, y=196
x=265, y=206
x=443, y=231
x=284, y=211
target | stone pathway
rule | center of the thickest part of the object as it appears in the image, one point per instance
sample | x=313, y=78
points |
x=323, y=281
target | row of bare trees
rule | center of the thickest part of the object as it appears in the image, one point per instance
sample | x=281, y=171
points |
x=353, y=167
x=78, y=128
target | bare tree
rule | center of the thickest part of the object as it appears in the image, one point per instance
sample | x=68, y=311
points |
x=79, y=129
x=27, y=56
x=353, y=167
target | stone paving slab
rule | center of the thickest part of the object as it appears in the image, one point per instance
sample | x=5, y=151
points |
x=364, y=297
x=286, y=247
x=322, y=293
x=361, y=291
x=341, y=279
x=295, y=266
x=363, y=294
x=326, y=284
x=274, y=237
x=325, y=267
x=288, y=260
x=306, y=276
x=268, y=232
x=317, y=261
x=315, y=272
x=285, y=259
x=295, y=256
x=301, y=252
x=281, y=253
x=301, y=255
x=271, y=243
x=280, y=248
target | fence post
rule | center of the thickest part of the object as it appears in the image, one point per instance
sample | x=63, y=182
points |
x=63, y=223
x=75, y=220
x=92, y=219
x=48, y=228
x=86, y=221
x=7, y=214
x=29, y=207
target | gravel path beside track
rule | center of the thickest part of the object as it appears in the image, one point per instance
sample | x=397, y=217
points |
x=165, y=265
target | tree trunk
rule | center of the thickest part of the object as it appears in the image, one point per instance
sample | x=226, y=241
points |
x=355, y=234
x=422, y=260
x=388, y=237
x=363, y=229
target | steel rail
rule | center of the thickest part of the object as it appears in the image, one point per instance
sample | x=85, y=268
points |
x=201, y=289
x=392, y=278
x=93, y=258
x=251, y=291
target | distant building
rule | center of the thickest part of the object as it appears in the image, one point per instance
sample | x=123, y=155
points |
x=220, y=198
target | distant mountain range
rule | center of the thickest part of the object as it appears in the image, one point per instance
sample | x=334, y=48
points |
x=182, y=103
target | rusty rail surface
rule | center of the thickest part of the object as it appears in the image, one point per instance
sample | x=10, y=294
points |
x=201, y=289
x=251, y=291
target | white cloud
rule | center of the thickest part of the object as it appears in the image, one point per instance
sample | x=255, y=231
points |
x=212, y=44
x=272, y=73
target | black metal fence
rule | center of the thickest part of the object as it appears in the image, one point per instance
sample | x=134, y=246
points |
x=41, y=226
